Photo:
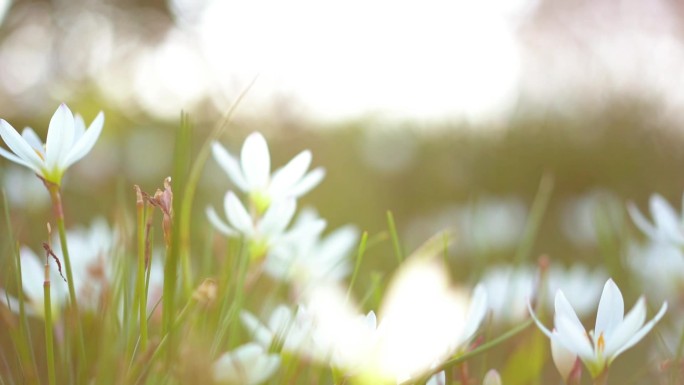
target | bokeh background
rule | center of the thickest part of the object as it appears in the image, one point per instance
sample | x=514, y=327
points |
x=447, y=113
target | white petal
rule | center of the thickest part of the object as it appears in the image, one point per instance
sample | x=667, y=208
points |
x=247, y=365
x=491, y=378
x=307, y=183
x=219, y=224
x=641, y=222
x=60, y=136
x=32, y=274
x=540, y=325
x=290, y=174
x=574, y=339
x=476, y=312
x=230, y=166
x=438, y=378
x=20, y=147
x=238, y=215
x=564, y=310
x=277, y=217
x=642, y=332
x=79, y=127
x=666, y=219
x=11, y=157
x=259, y=331
x=338, y=244
x=256, y=161
x=33, y=140
x=563, y=358
x=85, y=143
x=611, y=310
x=625, y=330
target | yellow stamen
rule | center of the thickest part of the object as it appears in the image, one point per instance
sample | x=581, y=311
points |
x=601, y=343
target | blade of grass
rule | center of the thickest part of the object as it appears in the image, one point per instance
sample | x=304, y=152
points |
x=190, y=187
x=395, y=237
x=539, y=206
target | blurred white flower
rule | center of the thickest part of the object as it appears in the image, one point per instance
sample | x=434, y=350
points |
x=582, y=287
x=422, y=321
x=586, y=217
x=662, y=260
x=249, y=364
x=261, y=231
x=614, y=332
x=492, y=378
x=291, y=332
x=24, y=190
x=510, y=287
x=252, y=173
x=67, y=142
x=93, y=268
x=486, y=225
x=668, y=226
x=306, y=258
x=32, y=278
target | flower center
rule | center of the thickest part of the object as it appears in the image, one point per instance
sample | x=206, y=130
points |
x=601, y=343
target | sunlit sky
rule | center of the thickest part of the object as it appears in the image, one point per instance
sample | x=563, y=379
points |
x=433, y=60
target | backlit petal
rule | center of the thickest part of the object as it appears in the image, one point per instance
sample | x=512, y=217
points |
x=611, y=309
x=59, y=137
x=642, y=332
x=290, y=174
x=238, y=215
x=256, y=161
x=85, y=143
x=625, y=330
x=19, y=146
x=230, y=166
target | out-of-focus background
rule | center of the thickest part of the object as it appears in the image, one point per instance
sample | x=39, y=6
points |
x=440, y=111
x=449, y=113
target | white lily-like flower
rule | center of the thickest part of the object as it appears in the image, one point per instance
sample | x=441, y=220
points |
x=252, y=173
x=249, y=364
x=67, y=142
x=613, y=334
x=261, y=231
x=422, y=321
x=287, y=330
x=306, y=258
x=668, y=226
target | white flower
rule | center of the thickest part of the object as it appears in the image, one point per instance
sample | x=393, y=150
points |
x=262, y=231
x=306, y=258
x=662, y=260
x=252, y=174
x=614, y=332
x=422, y=321
x=32, y=278
x=668, y=227
x=249, y=364
x=291, y=332
x=67, y=142
x=93, y=269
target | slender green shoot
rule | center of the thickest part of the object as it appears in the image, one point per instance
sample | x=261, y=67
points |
x=539, y=207
x=50, y=350
x=359, y=258
x=58, y=210
x=194, y=177
x=395, y=237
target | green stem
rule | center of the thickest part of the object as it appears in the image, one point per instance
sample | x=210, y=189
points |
x=56, y=198
x=539, y=206
x=48, y=327
x=141, y=294
x=395, y=237
x=602, y=379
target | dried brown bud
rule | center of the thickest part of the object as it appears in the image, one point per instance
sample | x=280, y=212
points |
x=206, y=292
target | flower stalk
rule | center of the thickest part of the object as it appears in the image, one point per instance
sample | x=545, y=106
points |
x=141, y=293
x=58, y=210
x=50, y=357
